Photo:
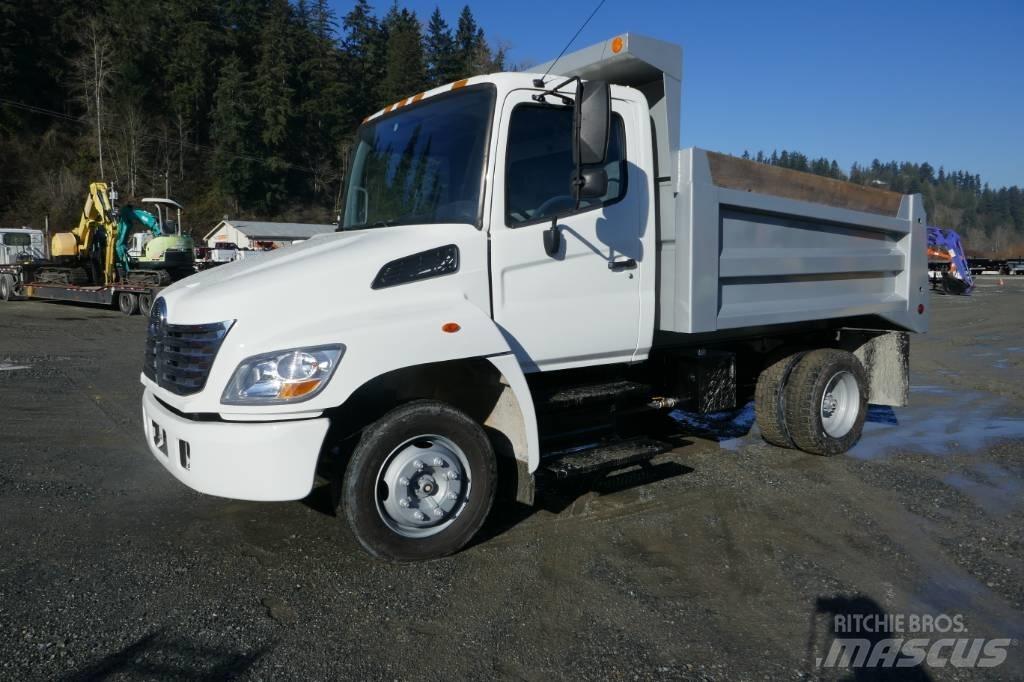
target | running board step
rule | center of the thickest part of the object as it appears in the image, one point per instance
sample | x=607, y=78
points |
x=615, y=455
x=576, y=396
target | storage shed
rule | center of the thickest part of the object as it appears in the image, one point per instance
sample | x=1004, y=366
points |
x=252, y=234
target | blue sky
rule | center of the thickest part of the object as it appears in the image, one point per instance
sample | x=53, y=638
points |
x=941, y=82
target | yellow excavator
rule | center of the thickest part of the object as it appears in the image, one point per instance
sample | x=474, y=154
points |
x=97, y=252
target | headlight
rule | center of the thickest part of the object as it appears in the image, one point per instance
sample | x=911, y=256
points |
x=283, y=377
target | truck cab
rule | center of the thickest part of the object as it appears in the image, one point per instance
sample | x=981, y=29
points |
x=525, y=262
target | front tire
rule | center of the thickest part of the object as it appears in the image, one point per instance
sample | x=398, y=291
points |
x=6, y=288
x=420, y=482
x=826, y=402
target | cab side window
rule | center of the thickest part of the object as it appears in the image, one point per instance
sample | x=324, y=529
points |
x=539, y=165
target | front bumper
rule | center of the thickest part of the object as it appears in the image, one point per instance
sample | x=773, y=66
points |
x=263, y=461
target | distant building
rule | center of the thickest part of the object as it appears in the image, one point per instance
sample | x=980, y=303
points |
x=252, y=234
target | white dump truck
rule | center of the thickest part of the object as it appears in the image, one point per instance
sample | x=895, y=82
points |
x=527, y=271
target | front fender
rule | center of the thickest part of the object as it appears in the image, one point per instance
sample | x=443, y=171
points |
x=398, y=339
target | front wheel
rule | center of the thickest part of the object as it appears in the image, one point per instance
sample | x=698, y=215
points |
x=420, y=482
x=6, y=288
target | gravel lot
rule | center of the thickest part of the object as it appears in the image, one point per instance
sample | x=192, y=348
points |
x=727, y=561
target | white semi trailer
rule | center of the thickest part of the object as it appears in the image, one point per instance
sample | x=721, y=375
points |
x=526, y=268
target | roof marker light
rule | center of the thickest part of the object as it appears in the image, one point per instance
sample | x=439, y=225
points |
x=460, y=84
x=617, y=44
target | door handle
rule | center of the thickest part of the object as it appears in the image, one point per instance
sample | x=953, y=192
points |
x=626, y=264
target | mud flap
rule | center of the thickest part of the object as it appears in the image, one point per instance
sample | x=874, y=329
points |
x=886, y=359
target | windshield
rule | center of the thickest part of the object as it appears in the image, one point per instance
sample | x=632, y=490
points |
x=17, y=239
x=421, y=165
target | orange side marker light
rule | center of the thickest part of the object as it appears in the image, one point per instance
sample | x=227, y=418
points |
x=450, y=327
x=617, y=44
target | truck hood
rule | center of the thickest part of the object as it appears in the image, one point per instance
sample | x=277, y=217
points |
x=316, y=278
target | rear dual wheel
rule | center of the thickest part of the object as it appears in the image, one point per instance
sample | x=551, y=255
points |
x=816, y=401
x=145, y=304
x=127, y=303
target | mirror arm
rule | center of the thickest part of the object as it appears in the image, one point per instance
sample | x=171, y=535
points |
x=553, y=92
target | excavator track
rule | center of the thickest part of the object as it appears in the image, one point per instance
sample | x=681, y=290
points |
x=70, y=276
x=153, y=278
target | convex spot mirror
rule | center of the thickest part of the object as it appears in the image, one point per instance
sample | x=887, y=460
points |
x=591, y=183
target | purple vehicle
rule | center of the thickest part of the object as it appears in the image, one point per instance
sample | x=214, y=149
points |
x=947, y=262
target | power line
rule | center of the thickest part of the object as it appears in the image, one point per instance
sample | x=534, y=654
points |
x=574, y=37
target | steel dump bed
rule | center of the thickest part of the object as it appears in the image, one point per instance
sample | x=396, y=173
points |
x=752, y=245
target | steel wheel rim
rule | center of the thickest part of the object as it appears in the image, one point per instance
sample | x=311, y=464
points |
x=840, y=404
x=422, y=486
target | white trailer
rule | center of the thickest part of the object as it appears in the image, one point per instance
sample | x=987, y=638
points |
x=528, y=269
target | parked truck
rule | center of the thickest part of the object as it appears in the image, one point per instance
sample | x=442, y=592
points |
x=527, y=273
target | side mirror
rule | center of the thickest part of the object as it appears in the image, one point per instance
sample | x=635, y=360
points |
x=591, y=122
x=592, y=183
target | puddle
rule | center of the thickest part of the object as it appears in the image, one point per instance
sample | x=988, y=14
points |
x=997, y=493
x=938, y=421
x=730, y=428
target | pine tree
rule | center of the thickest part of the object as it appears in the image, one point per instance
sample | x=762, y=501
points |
x=233, y=131
x=468, y=39
x=323, y=94
x=365, y=57
x=404, y=73
x=439, y=52
x=273, y=91
x=190, y=42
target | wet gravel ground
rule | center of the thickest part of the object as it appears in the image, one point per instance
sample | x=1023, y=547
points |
x=727, y=559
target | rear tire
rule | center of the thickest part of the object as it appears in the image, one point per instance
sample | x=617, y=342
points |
x=420, y=482
x=826, y=402
x=769, y=400
x=127, y=303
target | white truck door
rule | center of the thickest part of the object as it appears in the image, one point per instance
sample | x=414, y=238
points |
x=582, y=306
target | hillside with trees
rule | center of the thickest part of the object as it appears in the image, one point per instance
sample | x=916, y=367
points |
x=248, y=108
x=241, y=107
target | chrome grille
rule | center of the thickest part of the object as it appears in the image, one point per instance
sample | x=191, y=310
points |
x=179, y=356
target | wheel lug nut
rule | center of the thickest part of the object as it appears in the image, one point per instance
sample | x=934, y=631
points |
x=438, y=462
x=452, y=476
x=451, y=495
x=419, y=516
x=404, y=502
x=438, y=512
x=403, y=481
x=418, y=464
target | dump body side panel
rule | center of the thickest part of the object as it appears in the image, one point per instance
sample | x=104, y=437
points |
x=755, y=245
